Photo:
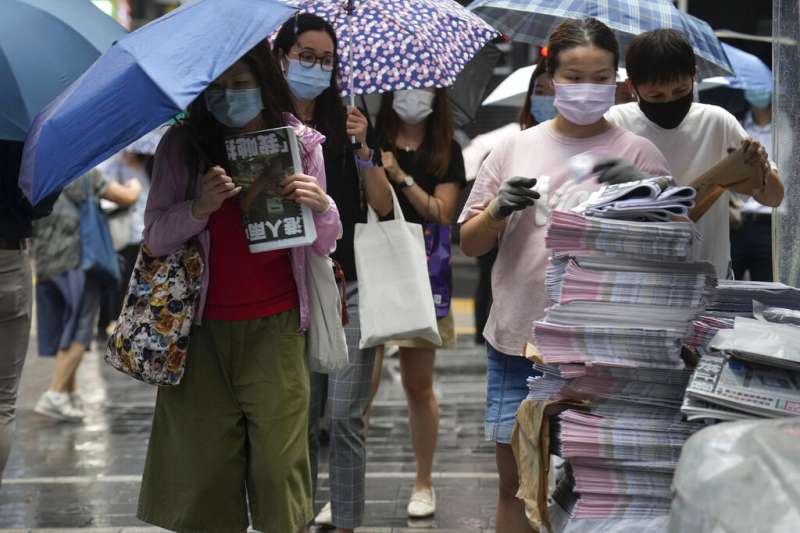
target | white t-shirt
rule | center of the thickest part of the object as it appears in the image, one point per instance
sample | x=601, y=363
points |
x=691, y=149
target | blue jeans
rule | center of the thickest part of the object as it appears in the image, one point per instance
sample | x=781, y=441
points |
x=506, y=388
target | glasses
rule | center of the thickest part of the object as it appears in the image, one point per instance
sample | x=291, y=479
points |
x=308, y=59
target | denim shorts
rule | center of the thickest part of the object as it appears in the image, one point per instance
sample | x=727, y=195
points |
x=506, y=388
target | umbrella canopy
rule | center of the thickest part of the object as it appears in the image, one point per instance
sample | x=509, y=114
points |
x=512, y=90
x=751, y=74
x=532, y=21
x=44, y=46
x=470, y=86
x=390, y=45
x=141, y=82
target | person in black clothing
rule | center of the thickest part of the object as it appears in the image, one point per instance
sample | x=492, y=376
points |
x=16, y=217
x=426, y=168
x=306, y=49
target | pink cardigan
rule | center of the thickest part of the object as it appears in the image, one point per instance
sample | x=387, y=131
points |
x=169, y=222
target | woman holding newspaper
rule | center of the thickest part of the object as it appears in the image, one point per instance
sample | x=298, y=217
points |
x=235, y=430
x=517, y=187
x=306, y=47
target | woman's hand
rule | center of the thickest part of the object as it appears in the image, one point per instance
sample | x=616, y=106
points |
x=393, y=170
x=217, y=187
x=305, y=190
x=357, y=127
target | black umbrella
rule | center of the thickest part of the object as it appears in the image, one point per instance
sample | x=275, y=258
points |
x=467, y=92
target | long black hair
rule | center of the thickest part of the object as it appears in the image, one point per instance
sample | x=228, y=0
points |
x=436, y=148
x=329, y=111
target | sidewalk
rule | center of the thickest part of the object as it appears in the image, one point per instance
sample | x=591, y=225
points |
x=67, y=477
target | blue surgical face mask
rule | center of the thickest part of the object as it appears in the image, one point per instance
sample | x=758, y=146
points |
x=759, y=99
x=234, y=107
x=542, y=107
x=307, y=83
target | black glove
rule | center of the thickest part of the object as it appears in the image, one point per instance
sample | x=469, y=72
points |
x=614, y=170
x=514, y=194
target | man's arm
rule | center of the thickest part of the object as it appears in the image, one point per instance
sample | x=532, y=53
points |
x=771, y=195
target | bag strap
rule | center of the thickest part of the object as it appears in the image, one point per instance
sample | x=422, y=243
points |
x=372, y=216
x=341, y=282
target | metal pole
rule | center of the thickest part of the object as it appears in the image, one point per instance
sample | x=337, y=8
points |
x=351, y=80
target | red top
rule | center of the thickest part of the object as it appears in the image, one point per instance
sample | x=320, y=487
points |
x=242, y=285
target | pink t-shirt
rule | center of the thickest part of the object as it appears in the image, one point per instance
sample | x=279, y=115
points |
x=518, y=277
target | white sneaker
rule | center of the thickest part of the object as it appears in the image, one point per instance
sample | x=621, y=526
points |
x=57, y=405
x=422, y=503
x=325, y=516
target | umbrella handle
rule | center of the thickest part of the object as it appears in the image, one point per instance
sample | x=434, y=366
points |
x=350, y=8
x=356, y=145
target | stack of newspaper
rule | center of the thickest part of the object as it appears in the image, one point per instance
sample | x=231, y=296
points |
x=574, y=232
x=735, y=298
x=652, y=199
x=621, y=456
x=724, y=388
x=624, y=293
x=753, y=372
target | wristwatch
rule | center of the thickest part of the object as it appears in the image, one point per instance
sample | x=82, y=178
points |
x=408, y=181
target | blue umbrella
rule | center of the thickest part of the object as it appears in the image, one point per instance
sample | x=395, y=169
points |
x=751, y=74
x=532, y=21
x=141, y=82
x=44, y=46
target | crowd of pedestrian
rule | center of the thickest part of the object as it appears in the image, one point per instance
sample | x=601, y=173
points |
x=237, y=441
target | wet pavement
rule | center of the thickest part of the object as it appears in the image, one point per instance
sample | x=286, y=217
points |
x=87, y=477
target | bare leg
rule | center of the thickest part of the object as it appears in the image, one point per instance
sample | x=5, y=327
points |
x=510, y=509
x=416, y=368
x=376, y=383
x=71, y=382
x=67, y=363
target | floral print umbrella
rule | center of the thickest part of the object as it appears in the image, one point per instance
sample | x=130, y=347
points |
x=391, y=45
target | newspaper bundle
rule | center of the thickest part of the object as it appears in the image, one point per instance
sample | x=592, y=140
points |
x=625, y=293
x=651, y=199
x=724, y=384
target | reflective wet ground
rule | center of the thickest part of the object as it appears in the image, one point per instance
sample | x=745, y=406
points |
x=63, y=476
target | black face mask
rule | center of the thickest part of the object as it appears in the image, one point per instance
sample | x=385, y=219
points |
x=668, y=115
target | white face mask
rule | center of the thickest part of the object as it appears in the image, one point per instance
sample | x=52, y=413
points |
x=413, y=105
x=584, y=103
